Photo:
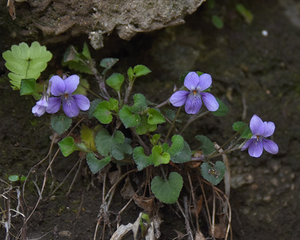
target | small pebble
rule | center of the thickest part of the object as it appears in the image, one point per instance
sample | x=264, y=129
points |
x=264, y=33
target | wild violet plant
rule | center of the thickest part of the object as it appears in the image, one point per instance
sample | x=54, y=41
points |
x=114, y=110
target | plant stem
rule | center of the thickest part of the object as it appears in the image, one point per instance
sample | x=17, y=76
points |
x=192, y=119
x=170, y=129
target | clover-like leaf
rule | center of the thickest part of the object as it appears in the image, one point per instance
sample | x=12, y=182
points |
x=243, y=128
x=96, y=165
x=141, y=70
x=67, y=146
x=207, y=145
x=26, y=62
x=222, y=110
x=155, y=117
x=167, y=190
x=213, y=173
x=128, y=118
x=61, y=123
x=115, y=81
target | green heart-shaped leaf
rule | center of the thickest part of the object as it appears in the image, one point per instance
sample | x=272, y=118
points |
x=168, y=190
x=213, y=174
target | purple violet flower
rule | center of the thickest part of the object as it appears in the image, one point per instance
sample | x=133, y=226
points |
x=257, y=143
x=40, y=108
x=63, y=90
x=193, y=98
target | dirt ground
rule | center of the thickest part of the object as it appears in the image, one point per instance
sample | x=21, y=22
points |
x=254, y=72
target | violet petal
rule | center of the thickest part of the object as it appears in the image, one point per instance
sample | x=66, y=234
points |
x=38, y=110
x=179, y=98
x=270, y=146
x=70, y=107
x=82, y=101
x=247, y=144
x=256, y=125
x=57, y=86
x=53, y=105
x=193, y=103
x=71, y=84
x=210, y=101
x=205, y=81
x=269, y=128
x=191, y=81
x=255, y=149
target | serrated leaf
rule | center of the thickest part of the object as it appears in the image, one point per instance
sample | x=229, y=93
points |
x=167, y=191
x=96, y=165
x=115, y=81
x=128, y=118
x=155, y=117
x=142, y=161
x=207, y=145
x=25, y=62
x=27, y=86
x=184, y=155
x=213, y=174
x=140, y=103
x=61, y=123
x=177, y=145
x=243, y=128
x=144, y=126
x=87, y=137
x=159, y=157
x=141, y=70
x=108, y=63
x=67, y=146
x=222, y=110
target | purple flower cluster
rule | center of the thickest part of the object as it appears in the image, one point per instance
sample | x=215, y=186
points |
x=257, y=143
x=193, y=98
x=62, y=91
